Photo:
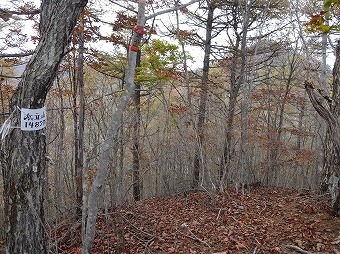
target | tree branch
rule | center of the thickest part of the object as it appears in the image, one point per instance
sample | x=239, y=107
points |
x=171, y=9
x=6, y=76
x=120, y=5
x=28, y=53
x=7, y=14
x=299, y=250
x=318, y=105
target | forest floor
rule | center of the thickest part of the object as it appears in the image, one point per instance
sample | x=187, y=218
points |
x=264, y=220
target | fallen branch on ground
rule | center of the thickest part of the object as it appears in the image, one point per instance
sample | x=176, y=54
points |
x=192, y=235
x=299, y=250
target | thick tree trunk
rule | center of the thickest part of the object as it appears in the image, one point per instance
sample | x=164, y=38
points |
x=23, y=153
x=331, y=116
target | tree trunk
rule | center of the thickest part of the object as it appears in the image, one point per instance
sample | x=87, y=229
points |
x=185, y=57
x=112, y=132
x=23, y=154
x=235, y=84
x=81, y=123
x=331, y=115
x=198, y=160
x=113, y=127
x=137, y=183
x=244, y=168
x=59, y=154
x=275, y=151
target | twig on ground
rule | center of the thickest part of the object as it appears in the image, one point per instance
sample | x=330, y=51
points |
x=250, y=227
x=147, y=245
x=219, y=213
x=299, y=250
x=135, y=227
x=265, y=206
x=258, y=245
x=192, y=236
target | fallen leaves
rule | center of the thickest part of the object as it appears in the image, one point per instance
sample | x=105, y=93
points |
x=336, y=241
x=263, y=221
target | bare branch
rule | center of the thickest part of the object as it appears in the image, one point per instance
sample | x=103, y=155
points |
x=325, y=113
x=7, y=14
x=171, y=9
x=120, y=5
x=299, y=250
x=28, y=53
x=6, y=76
x=318, y=105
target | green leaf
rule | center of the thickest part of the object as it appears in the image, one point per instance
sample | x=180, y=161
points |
x=328, y=4
x=174, y=121
x=324, y=28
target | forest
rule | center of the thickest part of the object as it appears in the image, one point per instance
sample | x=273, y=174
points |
x=184, y=126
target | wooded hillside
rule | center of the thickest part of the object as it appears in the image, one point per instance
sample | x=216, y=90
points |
x=150, y=99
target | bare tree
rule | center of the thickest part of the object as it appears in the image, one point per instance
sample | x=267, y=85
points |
x=199, y=157
x=99, y=180
x=92, y=201
x=79, y=165
x=137, y=183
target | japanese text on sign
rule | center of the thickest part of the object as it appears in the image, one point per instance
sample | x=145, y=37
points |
x=33, y=119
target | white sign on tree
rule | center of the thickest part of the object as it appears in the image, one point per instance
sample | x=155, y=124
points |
x=33, y=119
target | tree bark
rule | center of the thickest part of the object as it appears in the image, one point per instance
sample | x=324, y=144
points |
x=330, y=114
x=113, y=127
x=245, y=167
x=235, y=84
x=81, y=123
x=112, y=131
x=198, y=160
x=23, y=154
x=137, y=183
